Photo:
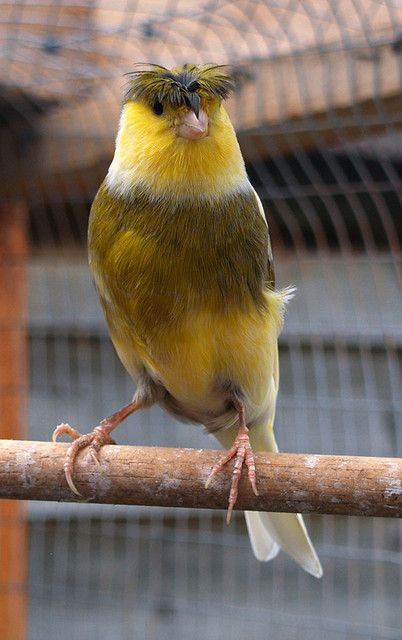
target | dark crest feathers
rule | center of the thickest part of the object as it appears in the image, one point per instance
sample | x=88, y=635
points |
x=180, y=86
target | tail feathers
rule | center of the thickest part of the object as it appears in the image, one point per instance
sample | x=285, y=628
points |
x=262, y=544
x=271, y=531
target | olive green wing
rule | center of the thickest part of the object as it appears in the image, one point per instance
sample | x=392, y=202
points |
x=270, y=257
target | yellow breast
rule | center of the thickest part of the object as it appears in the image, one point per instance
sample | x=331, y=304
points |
x=205, y=349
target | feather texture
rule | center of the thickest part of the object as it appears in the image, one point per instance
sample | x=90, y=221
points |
x=151, y=82
x=174, y=282
x=180, y=253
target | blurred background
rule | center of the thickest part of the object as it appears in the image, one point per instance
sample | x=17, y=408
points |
x=318, y=111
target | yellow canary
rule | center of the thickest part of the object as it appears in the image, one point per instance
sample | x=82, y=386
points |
x=180, y=253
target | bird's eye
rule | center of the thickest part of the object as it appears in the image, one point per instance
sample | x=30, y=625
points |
x=193, y=86
x=157, y=108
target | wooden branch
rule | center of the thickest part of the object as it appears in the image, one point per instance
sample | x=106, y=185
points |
x=158, y=476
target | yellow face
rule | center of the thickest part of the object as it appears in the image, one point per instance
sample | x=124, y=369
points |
x=182, y=120
x=174, y=149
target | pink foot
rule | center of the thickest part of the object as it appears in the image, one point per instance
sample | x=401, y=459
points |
x=94, y=440
x=243, y=454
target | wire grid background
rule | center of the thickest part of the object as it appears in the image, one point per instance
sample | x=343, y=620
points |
x=329, y=172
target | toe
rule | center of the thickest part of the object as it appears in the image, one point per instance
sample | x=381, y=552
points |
x=229, y=513
x=64, y=428
x=68, y=474
x=250, y=462
x=94, y=441
x=93, y=451
x=254, y=487
x=218, y=467
x=243, y=454
x=71, y=455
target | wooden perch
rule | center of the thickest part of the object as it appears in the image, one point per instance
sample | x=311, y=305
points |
x=158, y=476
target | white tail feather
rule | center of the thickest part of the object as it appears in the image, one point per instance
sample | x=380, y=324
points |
x=262, y=544
x=286, y=531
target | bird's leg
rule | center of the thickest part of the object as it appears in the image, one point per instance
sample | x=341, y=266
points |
x=100, y=435
x=243, y=454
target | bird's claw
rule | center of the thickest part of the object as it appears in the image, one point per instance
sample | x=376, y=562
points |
x=243, y=454
x=94, y=440
x=65, y=428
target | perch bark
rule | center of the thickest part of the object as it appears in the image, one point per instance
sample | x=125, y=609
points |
x=170, y=477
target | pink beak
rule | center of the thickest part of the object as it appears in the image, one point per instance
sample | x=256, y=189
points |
x=191, y=127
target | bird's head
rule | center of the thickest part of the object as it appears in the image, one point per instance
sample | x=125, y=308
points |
x=174, y=133
x=180, y=102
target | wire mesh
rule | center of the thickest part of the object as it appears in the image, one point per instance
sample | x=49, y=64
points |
x=318, y=112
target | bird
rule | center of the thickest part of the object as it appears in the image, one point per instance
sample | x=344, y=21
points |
x=180, y=254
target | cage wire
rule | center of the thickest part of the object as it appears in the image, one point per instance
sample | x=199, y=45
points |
x=318, y=111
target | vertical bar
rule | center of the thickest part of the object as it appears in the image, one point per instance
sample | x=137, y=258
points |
x=13, y=390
